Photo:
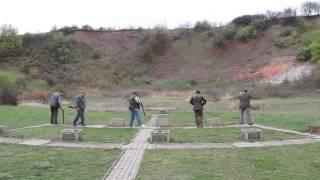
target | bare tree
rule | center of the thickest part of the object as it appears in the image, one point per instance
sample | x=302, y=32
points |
x=272, y=14
x=317, y=8
x=308, y=8
x=289, y=12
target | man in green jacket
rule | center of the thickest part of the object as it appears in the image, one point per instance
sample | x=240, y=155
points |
x=80, y=106
x=245, y=107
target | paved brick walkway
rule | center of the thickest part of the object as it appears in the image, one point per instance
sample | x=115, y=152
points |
x=128, y=165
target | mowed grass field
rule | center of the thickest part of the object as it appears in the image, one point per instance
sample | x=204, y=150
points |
x=35, y=163
x=101, y=135
x=282, y=163
x=288, y=113
x=287, y=162
x=22, y=116
x=220, y=135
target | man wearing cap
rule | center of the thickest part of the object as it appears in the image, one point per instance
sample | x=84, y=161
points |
x=80, y=106
x=245, y=107
x=55, y=104
x=198, y=101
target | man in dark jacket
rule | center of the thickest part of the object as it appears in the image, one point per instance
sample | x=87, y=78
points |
x=55, y=104
x=198, y=101
x=245, y=107
x=80, y=106
x=134, y=106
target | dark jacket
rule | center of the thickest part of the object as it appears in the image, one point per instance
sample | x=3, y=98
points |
x=198, y=101
x=80, y=102
x=245, y=100
x=134, y=103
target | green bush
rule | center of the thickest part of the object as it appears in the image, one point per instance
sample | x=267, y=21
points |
x=96, y=54
x=154, y=44
x=160, y=40
x=61, y=48
x=302, y=25
x=218, y=37
x=290, y=21
x=7, y=79
x=285, y=32
x=179, y=85
x=38, y=84
x=10, y=41
x=67, y=29
x=282, y=42
x=310, y=48
x=193, y=82
x=8, y=90
x=246, y=33
x=144, y=52
x=294, y=38
x=229, y=32
x=219, y=41
x=202, y=26
x=59, y=87
x=141, y=80
x=246, y=20
x=304, y=54
x=315, y=51
x=260, y=24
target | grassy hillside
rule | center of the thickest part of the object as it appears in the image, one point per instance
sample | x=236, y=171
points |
x=232, y=56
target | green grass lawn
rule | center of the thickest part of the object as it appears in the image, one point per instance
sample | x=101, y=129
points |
x=29, y=162
x=178, y=118
x=292, y=116
x=219, y=135
x=21, y=116
x=281, y=163
x=288, y=114
x=104, y=135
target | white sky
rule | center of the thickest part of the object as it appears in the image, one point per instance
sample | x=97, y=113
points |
x=42, y=15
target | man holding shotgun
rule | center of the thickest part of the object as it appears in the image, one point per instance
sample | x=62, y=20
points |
x=80, y=106
x=134, y=106
x=55, y=105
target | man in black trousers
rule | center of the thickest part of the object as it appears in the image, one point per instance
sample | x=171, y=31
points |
x=55, y=104
x=80, y=106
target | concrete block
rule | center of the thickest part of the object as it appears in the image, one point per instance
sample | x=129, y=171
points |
x=315, y=129
x=3, y=130
x=162, y=122
x=251, y=134
x=160, y=136
x=117, y=122
x=214, y=122
x=71, y=134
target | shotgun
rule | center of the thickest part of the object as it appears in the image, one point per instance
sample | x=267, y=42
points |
x=62, y=115
x=144, y=113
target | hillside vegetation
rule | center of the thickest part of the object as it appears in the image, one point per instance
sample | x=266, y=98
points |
x=219, y=59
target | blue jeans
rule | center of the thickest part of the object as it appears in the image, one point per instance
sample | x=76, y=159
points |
x=135, y=113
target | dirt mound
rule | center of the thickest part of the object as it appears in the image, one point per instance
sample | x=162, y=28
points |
x=195, y=58
x=108, y=42
x=294, y=72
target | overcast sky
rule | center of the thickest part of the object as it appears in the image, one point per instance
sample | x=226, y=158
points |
x=42, y=15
